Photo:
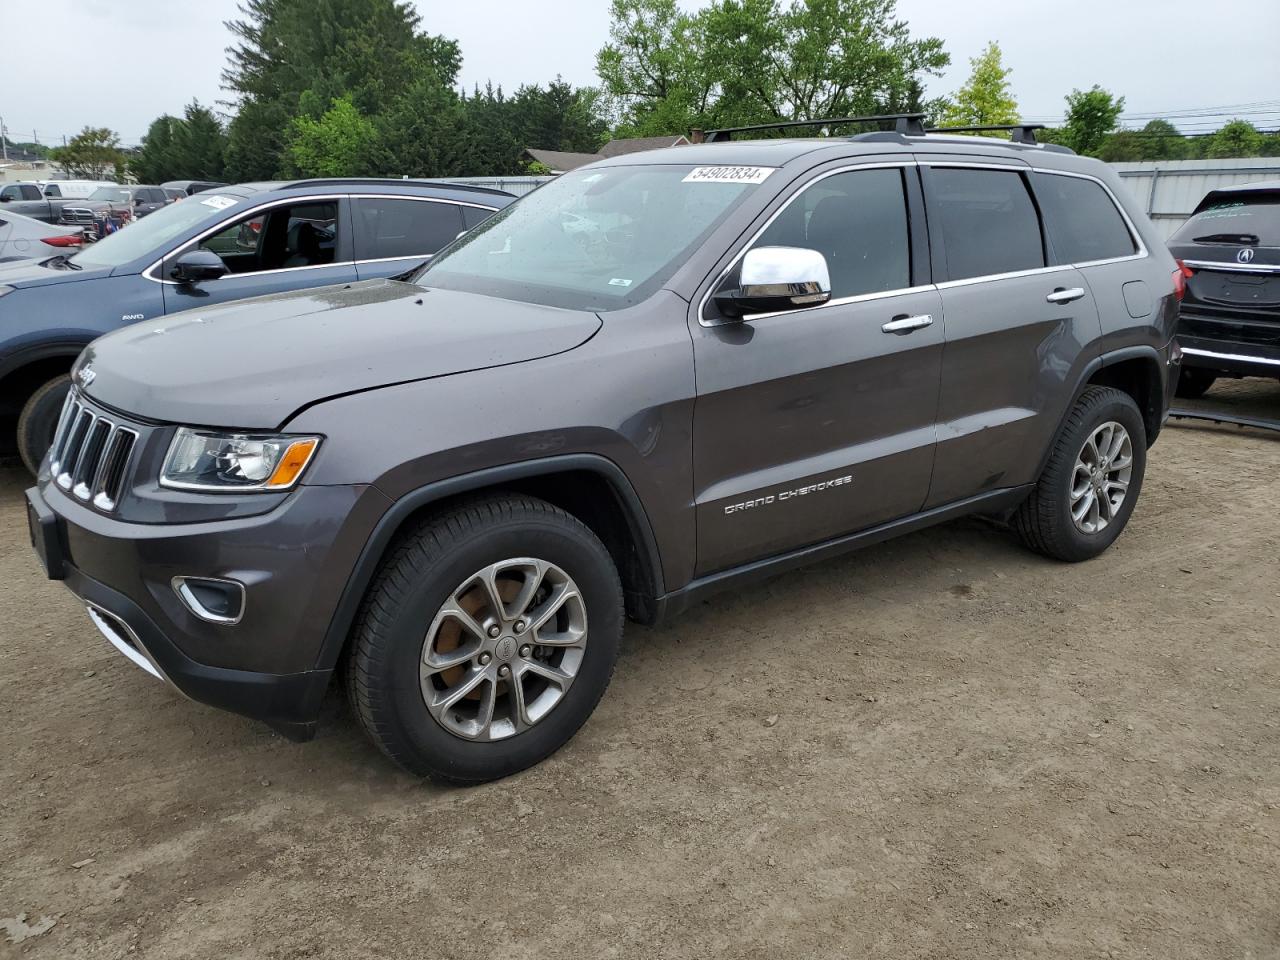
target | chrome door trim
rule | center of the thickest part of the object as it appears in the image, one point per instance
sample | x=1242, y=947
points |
x=706, y=297
x=1065, y=296
x=993, y=277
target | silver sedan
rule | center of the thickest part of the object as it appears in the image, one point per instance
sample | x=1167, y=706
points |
x=22, y=238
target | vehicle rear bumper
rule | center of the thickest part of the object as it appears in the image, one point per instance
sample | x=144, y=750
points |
x=1233, y=357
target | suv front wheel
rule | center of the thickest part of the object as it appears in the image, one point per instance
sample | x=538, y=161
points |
x=486, y=640
x=1088, y=489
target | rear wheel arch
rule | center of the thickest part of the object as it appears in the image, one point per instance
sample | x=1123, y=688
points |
x=1137, y=373
x=589, y=487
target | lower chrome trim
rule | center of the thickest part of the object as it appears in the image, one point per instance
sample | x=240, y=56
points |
x=1232, y=267
x=1238, y=357
x=108, y=624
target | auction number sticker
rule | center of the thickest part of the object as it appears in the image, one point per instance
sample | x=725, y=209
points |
x=218, y=203
x=728, y=174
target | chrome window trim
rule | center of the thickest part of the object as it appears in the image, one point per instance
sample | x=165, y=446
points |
x=704, y=321
x=1232, y=267
x=270, y=204
x=410, y=256
x=1011, y=275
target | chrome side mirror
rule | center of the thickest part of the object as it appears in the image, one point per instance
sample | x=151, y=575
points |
x=777, y=278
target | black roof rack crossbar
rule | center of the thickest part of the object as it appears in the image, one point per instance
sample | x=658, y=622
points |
x=906, y=123
x=1018, y=132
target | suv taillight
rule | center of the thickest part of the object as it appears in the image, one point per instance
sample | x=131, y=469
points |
x=1180, y=277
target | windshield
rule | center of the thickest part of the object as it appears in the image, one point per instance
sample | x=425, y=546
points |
x=149, y=235
x=112, y=194
x=597, y=239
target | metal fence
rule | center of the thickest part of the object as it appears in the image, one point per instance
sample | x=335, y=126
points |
x=1170, y=189
x=516, y=185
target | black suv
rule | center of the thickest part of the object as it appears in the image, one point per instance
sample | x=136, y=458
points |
x=1230, y=317
x=655, y=377
x=228, y=244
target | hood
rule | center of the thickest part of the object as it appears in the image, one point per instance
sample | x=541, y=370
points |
x=254, y=363
x=33, y=273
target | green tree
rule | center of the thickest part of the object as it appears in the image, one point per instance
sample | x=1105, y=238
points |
x=985, y=98
x=336, y=145
x=153, y=163
x=94, y=154
x=298, y=56
x=1239, y=138
x=1091, y=115
x=743, y=61
x=559, y=117
x=199, y=145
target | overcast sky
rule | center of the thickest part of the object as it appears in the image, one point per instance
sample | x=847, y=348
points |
x=121, y=64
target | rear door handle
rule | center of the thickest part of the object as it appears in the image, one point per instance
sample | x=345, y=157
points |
x=1065, y=296
x=903, y=325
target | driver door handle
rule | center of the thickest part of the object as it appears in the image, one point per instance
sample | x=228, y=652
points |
x=1065, y=296
x=904, y=324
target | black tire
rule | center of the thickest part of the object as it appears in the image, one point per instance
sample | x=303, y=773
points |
x=39, y=420
x=415, y=580
x=1043, y=521
x=1193, y=382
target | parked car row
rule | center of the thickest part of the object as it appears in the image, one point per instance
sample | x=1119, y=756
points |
x=663, y=374
x=235, y=243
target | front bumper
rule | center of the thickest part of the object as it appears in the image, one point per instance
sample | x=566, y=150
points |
x=293, y=563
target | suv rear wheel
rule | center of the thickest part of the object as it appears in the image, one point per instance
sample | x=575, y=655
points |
x=39, y=420
x=486, y=640
x=1088, y=489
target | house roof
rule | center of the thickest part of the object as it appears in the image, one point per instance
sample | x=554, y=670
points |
x=560, y=161
x=616, y=148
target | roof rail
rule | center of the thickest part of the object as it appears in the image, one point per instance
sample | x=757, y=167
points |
x=1018, y=132
x=387, y=182
x=904, y=123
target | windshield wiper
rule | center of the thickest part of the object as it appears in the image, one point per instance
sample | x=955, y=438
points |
x=1246, y=238
x=62, y=262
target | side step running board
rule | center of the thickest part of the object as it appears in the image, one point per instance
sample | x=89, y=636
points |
x=1179, y=413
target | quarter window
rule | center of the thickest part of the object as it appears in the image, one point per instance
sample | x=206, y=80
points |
x=1082, y=220
x=989, y=224
x=403, y=228
x=858, y=221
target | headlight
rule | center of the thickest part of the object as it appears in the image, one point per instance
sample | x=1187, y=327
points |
x=229, y=462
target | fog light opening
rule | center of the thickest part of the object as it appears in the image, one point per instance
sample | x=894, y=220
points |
x=212, y=599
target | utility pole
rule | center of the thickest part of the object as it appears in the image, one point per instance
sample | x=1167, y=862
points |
x=4, y=142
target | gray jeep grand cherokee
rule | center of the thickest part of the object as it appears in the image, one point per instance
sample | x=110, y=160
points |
x=656, y=377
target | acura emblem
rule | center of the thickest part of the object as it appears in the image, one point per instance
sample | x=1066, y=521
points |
x=1245, y=255
x=86, y=376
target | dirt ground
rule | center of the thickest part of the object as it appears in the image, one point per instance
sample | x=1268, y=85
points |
x=940, y=747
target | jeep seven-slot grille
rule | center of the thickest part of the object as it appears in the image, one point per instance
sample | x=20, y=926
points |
x=90, y=454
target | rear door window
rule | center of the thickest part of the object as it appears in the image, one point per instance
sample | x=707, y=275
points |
x=989, y=224
x=1082, y=220
x=387, y=228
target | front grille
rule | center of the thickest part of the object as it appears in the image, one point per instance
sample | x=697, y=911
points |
x=77, y=215
x=90, y=454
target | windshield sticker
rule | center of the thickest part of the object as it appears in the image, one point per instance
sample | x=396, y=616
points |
x=218, y=203
x=728, y=174
x=619, y=282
